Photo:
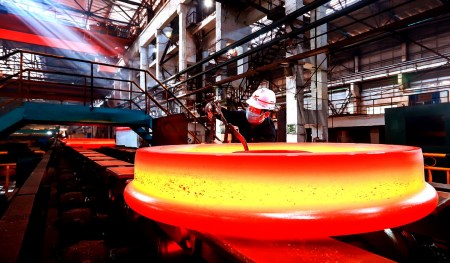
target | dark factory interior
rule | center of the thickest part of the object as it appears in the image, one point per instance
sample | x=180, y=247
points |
x=118, y=141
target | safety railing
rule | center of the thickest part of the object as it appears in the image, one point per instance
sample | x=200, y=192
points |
x=431, y=161
x=63, y=77
x=382, y=69
x=376, y=103
x=45, y=77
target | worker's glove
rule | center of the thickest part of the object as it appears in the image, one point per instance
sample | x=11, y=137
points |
x=211, y=108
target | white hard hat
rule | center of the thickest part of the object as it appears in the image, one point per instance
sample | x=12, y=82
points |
x=263, y=99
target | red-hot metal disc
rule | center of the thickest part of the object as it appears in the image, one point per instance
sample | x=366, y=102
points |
x=281, y=191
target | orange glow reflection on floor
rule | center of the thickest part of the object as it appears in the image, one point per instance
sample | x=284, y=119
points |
x=279, y=192
x=88, y=143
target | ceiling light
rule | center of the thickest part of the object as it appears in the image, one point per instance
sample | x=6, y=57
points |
x=208, y=3
x=167, y=31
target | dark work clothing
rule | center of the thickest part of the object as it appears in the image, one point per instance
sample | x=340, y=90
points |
x=264, y=132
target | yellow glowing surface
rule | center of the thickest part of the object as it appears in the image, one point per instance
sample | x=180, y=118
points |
x=278, y=180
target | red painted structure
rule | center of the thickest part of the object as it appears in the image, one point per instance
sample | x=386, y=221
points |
x=16, y=28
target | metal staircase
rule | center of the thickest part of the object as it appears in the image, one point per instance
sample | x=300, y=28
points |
x=261, y=57
x=43, y=88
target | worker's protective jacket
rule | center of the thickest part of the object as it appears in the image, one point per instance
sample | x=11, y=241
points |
x=264, y=132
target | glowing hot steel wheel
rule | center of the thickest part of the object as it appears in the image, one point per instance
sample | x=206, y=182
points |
x=281, y=191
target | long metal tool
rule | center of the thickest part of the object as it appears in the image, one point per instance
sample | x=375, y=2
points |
x=230, y=126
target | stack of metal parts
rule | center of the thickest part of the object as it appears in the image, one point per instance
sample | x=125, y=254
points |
x=92, y=222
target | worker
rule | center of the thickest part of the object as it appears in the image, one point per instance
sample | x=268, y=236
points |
x=254, y=123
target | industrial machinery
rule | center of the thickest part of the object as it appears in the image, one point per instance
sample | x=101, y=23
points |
x=274, y=202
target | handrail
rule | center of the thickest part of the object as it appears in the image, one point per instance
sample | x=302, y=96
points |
x=2, y=80
x=396, y=68
x=365, y=103
x=431, y=167
x=10, y=54
x=21, y=75
x=165, y=110
x=440, y=155
x=130, y=101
